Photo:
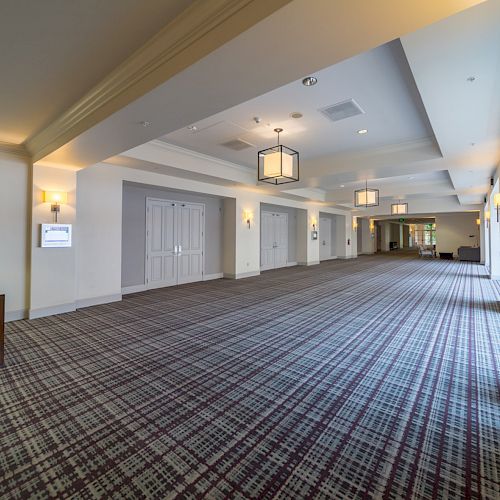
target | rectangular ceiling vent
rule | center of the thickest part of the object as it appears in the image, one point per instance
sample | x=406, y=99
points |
x=342, y=110
x=237, y=145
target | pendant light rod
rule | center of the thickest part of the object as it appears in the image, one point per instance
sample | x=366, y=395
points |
x=278, y=131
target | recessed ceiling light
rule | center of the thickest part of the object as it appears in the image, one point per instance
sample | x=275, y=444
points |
x=296, y=114
x=471, y=79
x=145, y=124
x=309, y=81
x=192, y=128
x=362, y=131
x=342, y=185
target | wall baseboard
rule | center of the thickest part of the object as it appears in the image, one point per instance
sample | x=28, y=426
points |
x=291, y=264
x=95, y=301
x=241, y=275
x=134, y=289
x=50, y=311
x=333, y=257
x=311, y=263
x=16, y=315
x=214, y=276
x=347, y=257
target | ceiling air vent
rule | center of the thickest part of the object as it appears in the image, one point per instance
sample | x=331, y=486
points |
x=237, y=145
x=341, y=110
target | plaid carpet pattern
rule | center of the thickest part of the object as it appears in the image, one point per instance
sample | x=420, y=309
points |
x=370, y=378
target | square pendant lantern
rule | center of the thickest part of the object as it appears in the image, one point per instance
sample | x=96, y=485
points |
x=399, y=208
x=366, y=197
x=278, y=164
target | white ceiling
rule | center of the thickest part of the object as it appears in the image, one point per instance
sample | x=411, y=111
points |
x=379, y=81
x=431, y=132
x=53, y=51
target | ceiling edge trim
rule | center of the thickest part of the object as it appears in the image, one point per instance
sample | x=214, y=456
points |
x=194, y=154
x=17, y=150
x=197, y=31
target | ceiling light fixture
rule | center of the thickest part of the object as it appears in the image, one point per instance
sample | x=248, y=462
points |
x=278, y=164
x=366, y=197
x=192, y=128
x=471, y=79
x=145, y=124
x=342, y=185
x=296, y=115
x=399, y=208
x=362, y=131
x=309, y=81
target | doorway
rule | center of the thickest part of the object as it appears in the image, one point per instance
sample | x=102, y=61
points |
x=273, y=240
x=325, y=238
x=174, y=242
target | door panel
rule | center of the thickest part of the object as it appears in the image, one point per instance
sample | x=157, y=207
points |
x=191, y=241
x=281, y=249
x=325, y=238
x=174, y=246
x=273, y=241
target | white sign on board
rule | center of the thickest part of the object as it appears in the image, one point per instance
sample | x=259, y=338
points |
x=56, y=235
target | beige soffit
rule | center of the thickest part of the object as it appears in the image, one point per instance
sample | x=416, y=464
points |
x=14, y=149
x=197, y=31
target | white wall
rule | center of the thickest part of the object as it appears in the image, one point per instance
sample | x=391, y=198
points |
x=456, y=230
x=14, y=242
x=53, y=273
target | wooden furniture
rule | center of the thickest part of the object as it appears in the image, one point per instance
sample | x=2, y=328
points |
x=446, y=255
x=2, y=329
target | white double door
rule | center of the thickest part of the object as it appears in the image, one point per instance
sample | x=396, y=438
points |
x=174, y=242
x=273, y=240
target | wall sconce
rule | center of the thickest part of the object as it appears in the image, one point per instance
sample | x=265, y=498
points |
x=314, y=222
x=55, y=198
x=247, y=217
x=372, y=226
x=496, y=202
x=355, y=223
x=478, y=222
x=487, y=218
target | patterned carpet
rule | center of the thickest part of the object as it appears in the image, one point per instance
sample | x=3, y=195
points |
x=372, y=378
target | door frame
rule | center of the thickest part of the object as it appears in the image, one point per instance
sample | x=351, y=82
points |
x=150, y=199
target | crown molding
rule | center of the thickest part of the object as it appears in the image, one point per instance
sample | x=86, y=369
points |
x=199, y=156
x=17, y=150
x=197, y=31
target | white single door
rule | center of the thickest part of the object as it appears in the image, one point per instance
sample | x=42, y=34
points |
x=190, y=239
x=281, y=248
x=273, y=240
x=161, y=253
x=174, y=243
x=267, y=242
x=325, y=238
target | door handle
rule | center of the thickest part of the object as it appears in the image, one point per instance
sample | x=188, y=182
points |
x=180, y=249
x=175, y=250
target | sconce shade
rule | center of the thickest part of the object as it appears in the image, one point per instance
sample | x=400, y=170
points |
x=496, y=200
x=487, y=215
x=55, y=197
x=399, y=208
x=478, y=222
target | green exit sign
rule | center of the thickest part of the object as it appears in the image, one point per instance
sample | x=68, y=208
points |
x=401, y=219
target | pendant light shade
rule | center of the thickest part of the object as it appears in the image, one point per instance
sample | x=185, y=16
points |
x=399, y=208
x=278, y=164
x=366, y=197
